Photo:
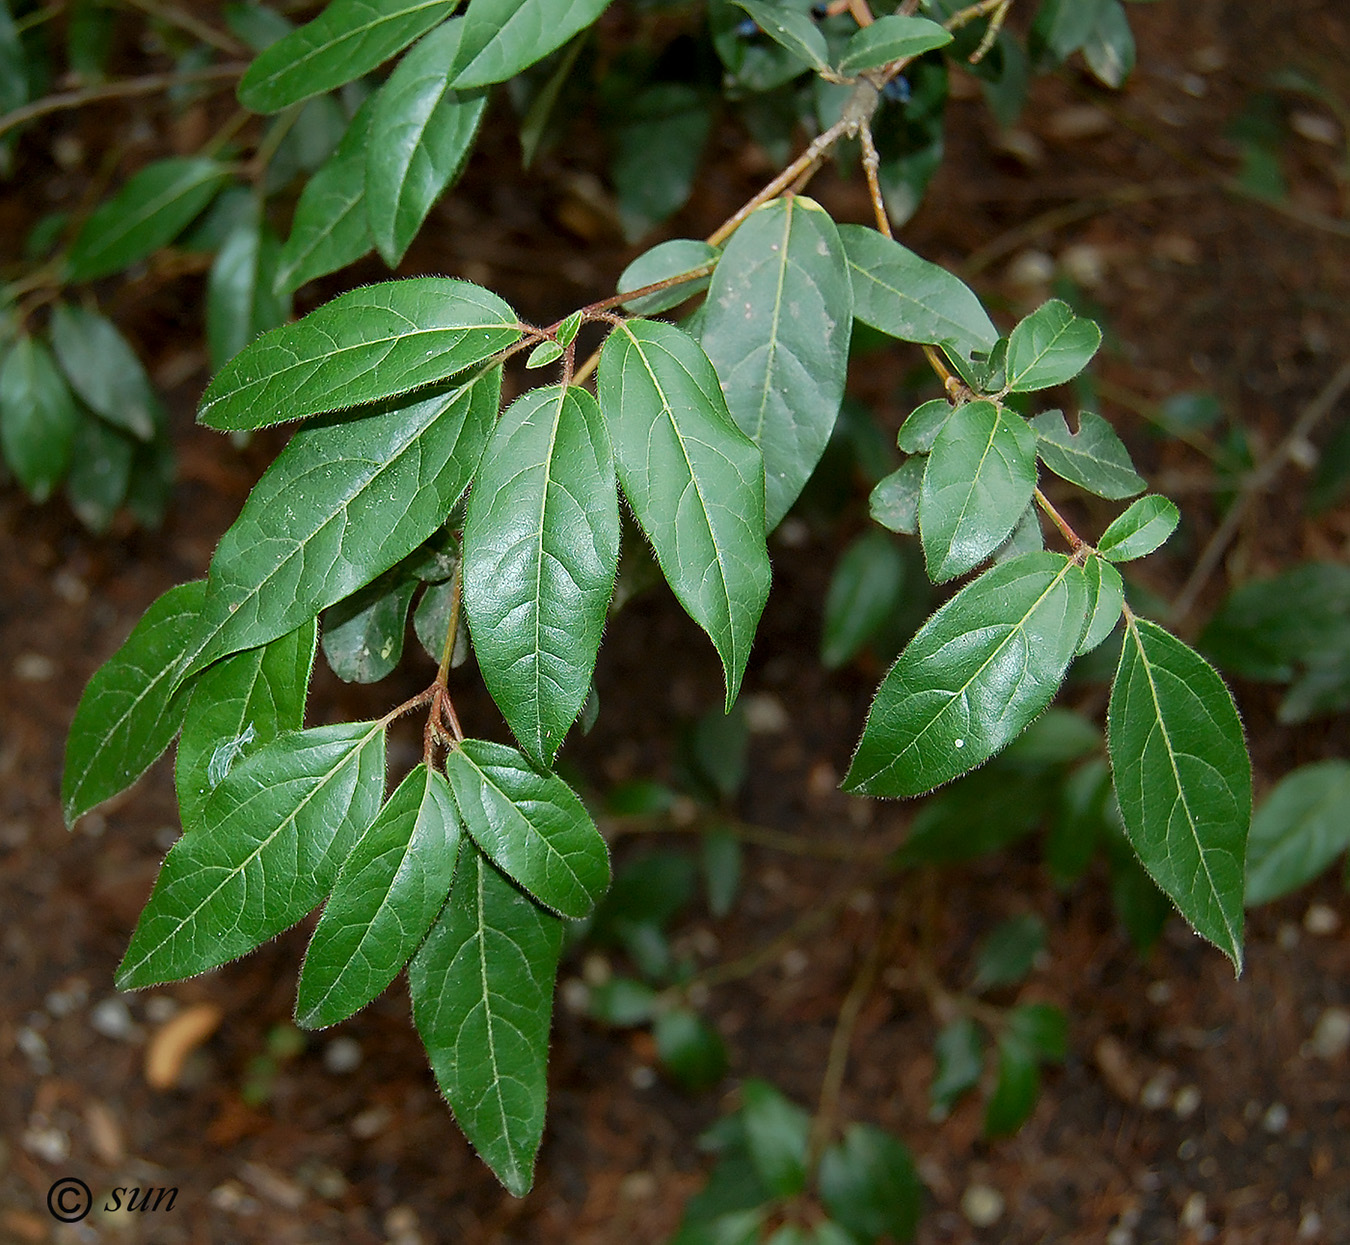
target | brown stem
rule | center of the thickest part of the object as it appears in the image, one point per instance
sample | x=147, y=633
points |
x=871, y=162
x=1076, y=542
x=452, y=629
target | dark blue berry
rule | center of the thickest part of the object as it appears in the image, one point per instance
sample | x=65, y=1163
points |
x=897, y=90
x=820, y=11
x=747, y=28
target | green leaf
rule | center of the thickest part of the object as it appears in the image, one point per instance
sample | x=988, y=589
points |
x=894, y=503
x=149, y=212
x=100, y=470
x=544, y=354
x=363, y=634
x=720, y=857
x=387, y=894
x=657, y=143
x=331, y=227
x=1057, y=737
x=978, y=671
x=237, y=706
x=13, y=63
x=255, y=24
x=978, y=481
x=348, y=39
x=1183, y=779
x=426, y=130
x=863, y=595
x=272, y=836
x=869, y=1185
x=567, y=330
x=1016, y=1090
x=319, y=524
x=541, y=547
x=694, y=480
x=1300, y=828
x=791, y=30
x=38, y=418
x=909, y=298
x=622, y=1002
x=1007, y=955
x=665, y=260
x=366, y=345
x=104, y=370
x=89, y=36
x=1093, y=458
x=922, y=425
x=540, y=123
x=1060, y=28
x=127, y=715
x=690, y=1049
x=1106, y=600
x=776, y=1132
x=891, y=38
x=1043, y=1029
x=482, y=992
x=1140, y=530
x=985, y=812
x=502, y=37
x=959, y=1055
x=776, y=326
x=1079, y=821
x=1109, y=50
x=240, y=301
x=530, y=825
x=1048, y=347
x=431, y=622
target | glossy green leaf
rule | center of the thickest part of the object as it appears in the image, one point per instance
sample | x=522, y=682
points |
x=1183, y=779
x=922, y=425
x=894, y=503
x=1048, y=347
x=271, y=838
x=694, y=480
x=1016, y=1090
x=502, y=37
x=776, y=1132
x=244, y=702
x=776, y=326
x=657, y=142
x=318, y=525
x=240, y=299
x=790, y=29
x=541, y=547
x=530, y=825
x=753, y=65
x=959, y=1055
x=100, y=471
x=864, y=593
x=149, y=212
x=544, y=354
x=388, y=892
x=1093, y=458
x=1007, y=955
x=348, y=39
x=869, y=1185
x=127, y=715
x=482, y=992
x=666, y=259
x=366, y=345
x=1140, y=530
x=104, y=371
x=568, y=329
x=38, y=418
x=909, y=298
x=1106, y=599
x=690, y=1049
x=331, y=227
x=1109, y=50
x=425, y=132
x=978, y=481
x=982, y=667
x=891, y=38
x=1300, y=828
x=363, y=634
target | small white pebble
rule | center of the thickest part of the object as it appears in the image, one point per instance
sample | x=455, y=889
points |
x=576, y=996
x=1187, y=1102
x=793, y=533
x=596, y=969
x=1287, y=937
x=160, y=1009
x=795, y=962
x=51, y=1145
x=1331, y=1034
x=764, y=714
x=1157, y=1091
x=371, y=1122
x=1309, y=1225
x=342, y=1055
x=34, y=668
x=642, y=1077
x=1321, y=919
x=1194, y=85
x=112, y=1018
x=1315, y=127
x=1031, y=268
x=982, y=1205
x=70, y=588
x=230, y=1196
x=62, y=1002
x=1159, y=992
x=34, y=1047
x=638, y=1187
x=1193, y=1213
x=1120, y=1235
x=1276, y=1118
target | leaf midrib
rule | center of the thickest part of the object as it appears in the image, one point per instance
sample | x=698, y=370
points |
x=489, y=1019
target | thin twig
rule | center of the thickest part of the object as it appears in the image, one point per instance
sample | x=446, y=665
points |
x=750, y=963
x=1256, y=483
x=192, y=25
x=871, y=162
x=149, y=84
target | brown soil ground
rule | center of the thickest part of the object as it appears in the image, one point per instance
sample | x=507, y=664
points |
x=1193, y=1107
